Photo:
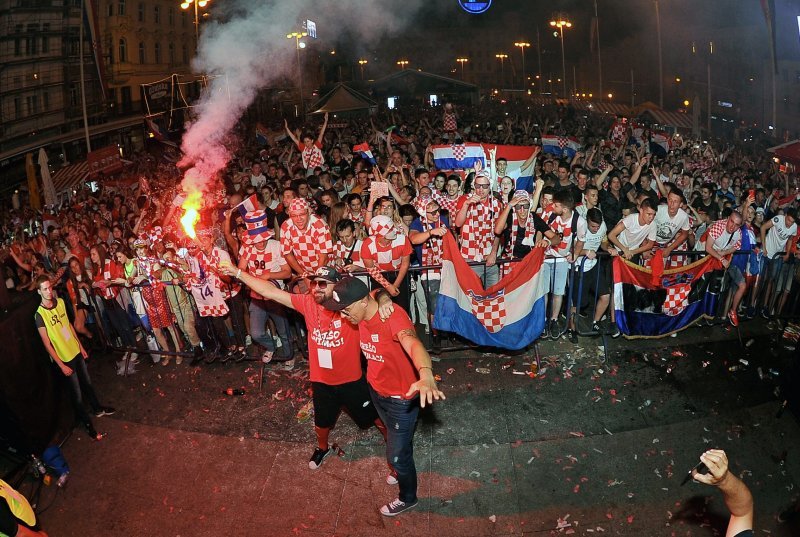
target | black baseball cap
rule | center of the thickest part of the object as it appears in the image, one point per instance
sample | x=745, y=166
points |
x=329, y=274
x=345, y=292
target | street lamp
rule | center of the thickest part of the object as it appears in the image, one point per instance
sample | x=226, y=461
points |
x=197, y=5
x=502, y=57
x=560, y=22
x=402, y=63
x=298, y=45
x=361, y=63
x=522, y=45
x=462, y=61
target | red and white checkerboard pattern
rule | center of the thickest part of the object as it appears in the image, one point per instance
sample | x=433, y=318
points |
x=459, y=151
x=312, y=157
x=306, y=246
x=562, y=142
x=677, y=299
x=490, y=312
x=477, y=233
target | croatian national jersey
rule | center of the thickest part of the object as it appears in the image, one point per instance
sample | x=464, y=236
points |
x=261, y=262
x=386, y=258
x=306, y=245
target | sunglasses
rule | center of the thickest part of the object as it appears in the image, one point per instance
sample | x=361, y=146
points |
x=435, y=211
x=481, y=185
x=523, y=206
x=321, y=284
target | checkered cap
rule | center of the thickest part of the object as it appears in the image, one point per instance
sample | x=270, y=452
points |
x=421, y=203
x=381, y=225
x=298, y=205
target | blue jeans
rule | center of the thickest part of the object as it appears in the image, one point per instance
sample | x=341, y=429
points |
x=400, y=417
x=260, y=311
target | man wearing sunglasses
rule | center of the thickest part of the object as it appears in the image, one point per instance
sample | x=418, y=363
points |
x=333, y=354
x=475, y=215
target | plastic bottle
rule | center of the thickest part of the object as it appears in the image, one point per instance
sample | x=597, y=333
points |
x=233, y=391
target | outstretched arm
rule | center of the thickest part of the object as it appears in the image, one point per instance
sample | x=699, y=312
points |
x=322, y=130
x=737, y=496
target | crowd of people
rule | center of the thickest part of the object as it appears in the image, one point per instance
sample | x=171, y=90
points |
x=285, y=222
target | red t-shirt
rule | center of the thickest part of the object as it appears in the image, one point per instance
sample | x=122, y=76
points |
x=390, y=371
x=333, y=354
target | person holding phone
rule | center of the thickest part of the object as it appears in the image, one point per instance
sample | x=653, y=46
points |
x=735, y=493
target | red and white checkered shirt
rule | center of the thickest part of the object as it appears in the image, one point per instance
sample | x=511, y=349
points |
x=387, y=258
x=558, y=225
x=477, y=233
x=449, y=123
x=306, y=245
x=721, y=239
x=261, y=262
x=312, y=156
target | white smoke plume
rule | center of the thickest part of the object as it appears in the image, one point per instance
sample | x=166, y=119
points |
x=245, y=49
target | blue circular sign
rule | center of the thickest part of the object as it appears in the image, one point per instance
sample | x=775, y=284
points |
x=475, y=6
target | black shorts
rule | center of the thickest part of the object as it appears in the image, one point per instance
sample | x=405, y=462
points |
x=352, y=396
x=590, y=283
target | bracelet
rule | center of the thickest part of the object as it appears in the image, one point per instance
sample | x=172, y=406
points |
x=424, y=367
x=239, y=273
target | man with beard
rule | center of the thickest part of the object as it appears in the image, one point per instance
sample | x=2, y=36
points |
x=334, y=357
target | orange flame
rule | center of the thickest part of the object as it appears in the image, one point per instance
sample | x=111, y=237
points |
x=191, y=214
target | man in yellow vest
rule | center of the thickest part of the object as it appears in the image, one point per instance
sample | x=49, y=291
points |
x=67, y=352
x=17, y=518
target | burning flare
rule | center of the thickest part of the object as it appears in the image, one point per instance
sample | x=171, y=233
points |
x=191, y=214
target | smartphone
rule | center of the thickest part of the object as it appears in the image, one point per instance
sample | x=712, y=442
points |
x=701, y=469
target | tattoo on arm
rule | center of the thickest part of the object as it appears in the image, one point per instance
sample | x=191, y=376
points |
x=407, y=333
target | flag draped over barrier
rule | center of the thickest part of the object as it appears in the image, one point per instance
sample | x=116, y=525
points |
x=508, y=315
x=648, y=306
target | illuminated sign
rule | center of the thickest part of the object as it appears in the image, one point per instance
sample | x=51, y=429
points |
x=725, y=104
x=475, y=7
x=310, y=27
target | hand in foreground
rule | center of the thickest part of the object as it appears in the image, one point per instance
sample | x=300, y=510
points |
x=385, y=310
x=227, y=268
x=428, y=392
x=717, y=462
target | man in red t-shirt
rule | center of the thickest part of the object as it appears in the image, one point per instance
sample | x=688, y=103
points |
x=334, y=360
x=399, y=375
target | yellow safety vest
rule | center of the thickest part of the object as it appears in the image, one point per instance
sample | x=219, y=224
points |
x=19, y=506
x=59, y=331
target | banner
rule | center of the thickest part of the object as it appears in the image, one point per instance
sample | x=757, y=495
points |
x=458, y=156
x=560, y=146
x=105, y=161
x=508, y=315
x=649, y=306
x=516, y=155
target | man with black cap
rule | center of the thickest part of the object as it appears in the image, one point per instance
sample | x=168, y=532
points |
x=399, y=375
x=337, y=379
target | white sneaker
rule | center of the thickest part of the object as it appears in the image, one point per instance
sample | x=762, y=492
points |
x=134, y=358
x=391, y=479
x=267, y=357
x=248, y=340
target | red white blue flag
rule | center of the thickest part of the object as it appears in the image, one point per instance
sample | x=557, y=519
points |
x=648, y=306
x=458, y=156
x=365, y=152
x=508, y=315
x=560, y=146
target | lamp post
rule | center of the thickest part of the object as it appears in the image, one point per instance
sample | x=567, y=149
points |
x=561, y=23
x=361, y=63
x=402, y=64
x=522, y=45
x=502, y=57
x=462, y=61
x=197, y=5
x=298, y=45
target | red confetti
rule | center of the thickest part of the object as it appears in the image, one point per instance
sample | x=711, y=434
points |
x=609, y=516
x=630, y=519
x=576, y=489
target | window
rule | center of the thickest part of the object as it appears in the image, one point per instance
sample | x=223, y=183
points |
x=142, y=57
x=74, y=95
x=17, y=108
x=123, y=51
x=45, y=38
x=171, y=53
x=157, y=49
x=32, y=102
x=46, y=101
x=121, y=8
x=17, y=82
x=32, y=40
x=17, y=47
x=171, y=16
x=157, y=15
x=110, y=9
x=73, y=43
x=183, y=19
x=185, y=54
x=140, y=15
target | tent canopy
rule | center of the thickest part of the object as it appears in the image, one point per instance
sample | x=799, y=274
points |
x=790, y=152
x=67, y=177
x=342, y=98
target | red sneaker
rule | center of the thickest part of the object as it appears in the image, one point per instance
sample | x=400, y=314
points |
x=733, y=318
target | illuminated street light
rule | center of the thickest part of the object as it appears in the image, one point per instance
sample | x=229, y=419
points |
x=298, y=45
x=522, y=45
x=502, y=57
x=462, y=61
x=560, y=22
x=402, y=63
x=361, y=63
x=198, y=4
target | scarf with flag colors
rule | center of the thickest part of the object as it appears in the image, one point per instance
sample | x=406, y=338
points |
x=656, y=303
x=560, y=146
x=365, y=152
x=508, y=315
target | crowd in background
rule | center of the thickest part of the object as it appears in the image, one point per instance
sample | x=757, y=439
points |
x=305, y=199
